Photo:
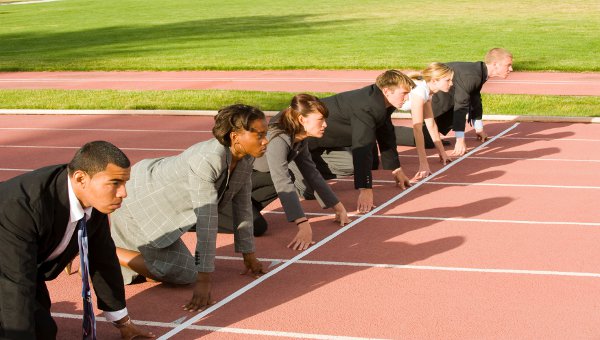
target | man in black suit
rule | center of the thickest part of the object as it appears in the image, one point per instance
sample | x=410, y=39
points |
x=463, y=102
x=358, y=122
x=38, y=214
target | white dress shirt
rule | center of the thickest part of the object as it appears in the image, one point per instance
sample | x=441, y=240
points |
x=76, y=213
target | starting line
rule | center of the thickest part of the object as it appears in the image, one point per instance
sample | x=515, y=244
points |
x=324, y=241
x=233, y=330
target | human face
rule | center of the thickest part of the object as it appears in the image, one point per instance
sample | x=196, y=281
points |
x=314, y=124
x=104, y=191
x=396, y=96
x=442, y=84
x=503, y=67
x=251, y=142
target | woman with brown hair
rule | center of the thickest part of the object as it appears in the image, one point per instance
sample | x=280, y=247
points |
x=287, y=170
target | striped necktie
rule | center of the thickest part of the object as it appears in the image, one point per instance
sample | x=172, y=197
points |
x=89, y=320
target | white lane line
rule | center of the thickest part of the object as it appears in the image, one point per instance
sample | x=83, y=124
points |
x=187, y=80
x=550, y=139
x=517, y=158
x=200, y=79
x=538, y=159
x=438, y=268
x=222, y=329
x=103, y=130
x=27, y=2
x=545, y=82
x=77, y=148
x=209, y=131
x=551, y=186
x=456, y=219
x=517, y=185
x=405, y=156
x=482, y=220
x=323, y=241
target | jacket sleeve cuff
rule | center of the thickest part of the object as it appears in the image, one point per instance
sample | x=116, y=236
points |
x=478, y=125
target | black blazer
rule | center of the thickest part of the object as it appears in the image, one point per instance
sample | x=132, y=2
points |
x=359, y=119
x=34, y=213
x=464, y=98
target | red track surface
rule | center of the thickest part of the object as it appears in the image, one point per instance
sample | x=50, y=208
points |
x=502, y=245
x=585, y=84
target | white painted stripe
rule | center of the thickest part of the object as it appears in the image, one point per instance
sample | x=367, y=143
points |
x=323, y=241
x=517, y=158
x=455, y=219
x=222, y=329
x=540, y=118
x=183, y=80
x=482, y=220
x=79, y=112
x=550, y=139
x=199, y=79
x=485, y=184
x=28, y=2
x=405, y=156
x=439, y=268
x=209, y=131
x=517, y=185
x=539, y=159
x=395, y=115
x=11, y=169
x=77, y=147
x=104, y=130
x=543, y=82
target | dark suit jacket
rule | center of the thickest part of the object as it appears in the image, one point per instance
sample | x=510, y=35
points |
x=34, y=213
x=464, y=98
x=359, y=119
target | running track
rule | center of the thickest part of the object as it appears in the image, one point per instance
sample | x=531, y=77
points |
x=501, y=244
x=584, y=84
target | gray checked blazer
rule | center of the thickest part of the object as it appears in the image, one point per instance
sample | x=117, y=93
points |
x=168, y=196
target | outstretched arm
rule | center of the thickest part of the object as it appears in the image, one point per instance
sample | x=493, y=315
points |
x=417, y=104
x=434, y=133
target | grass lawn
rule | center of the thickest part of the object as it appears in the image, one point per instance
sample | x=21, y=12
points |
x=572, y=106
x=307, y=34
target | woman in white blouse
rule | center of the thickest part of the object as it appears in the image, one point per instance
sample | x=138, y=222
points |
x=436, y=77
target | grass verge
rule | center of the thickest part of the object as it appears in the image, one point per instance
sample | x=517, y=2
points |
x=565, y=106
x=309, y=34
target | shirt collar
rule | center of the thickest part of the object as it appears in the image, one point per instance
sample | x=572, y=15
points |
x=484, y=70
x=76, y=211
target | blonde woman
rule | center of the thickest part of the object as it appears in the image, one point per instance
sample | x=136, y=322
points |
x=435, y=78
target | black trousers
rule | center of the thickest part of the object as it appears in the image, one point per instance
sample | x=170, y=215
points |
x=45, y=326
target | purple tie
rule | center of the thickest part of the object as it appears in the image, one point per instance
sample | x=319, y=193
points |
x=89, y=320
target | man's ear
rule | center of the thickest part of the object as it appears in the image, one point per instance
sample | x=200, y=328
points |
x=386, y=91
x=80, y=178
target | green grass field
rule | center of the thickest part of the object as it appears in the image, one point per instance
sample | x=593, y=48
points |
x=573, y=106
x=547, y=35
x=269, y=34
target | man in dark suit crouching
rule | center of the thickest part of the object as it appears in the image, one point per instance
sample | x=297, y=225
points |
x=463, y=102
x=39, y=214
